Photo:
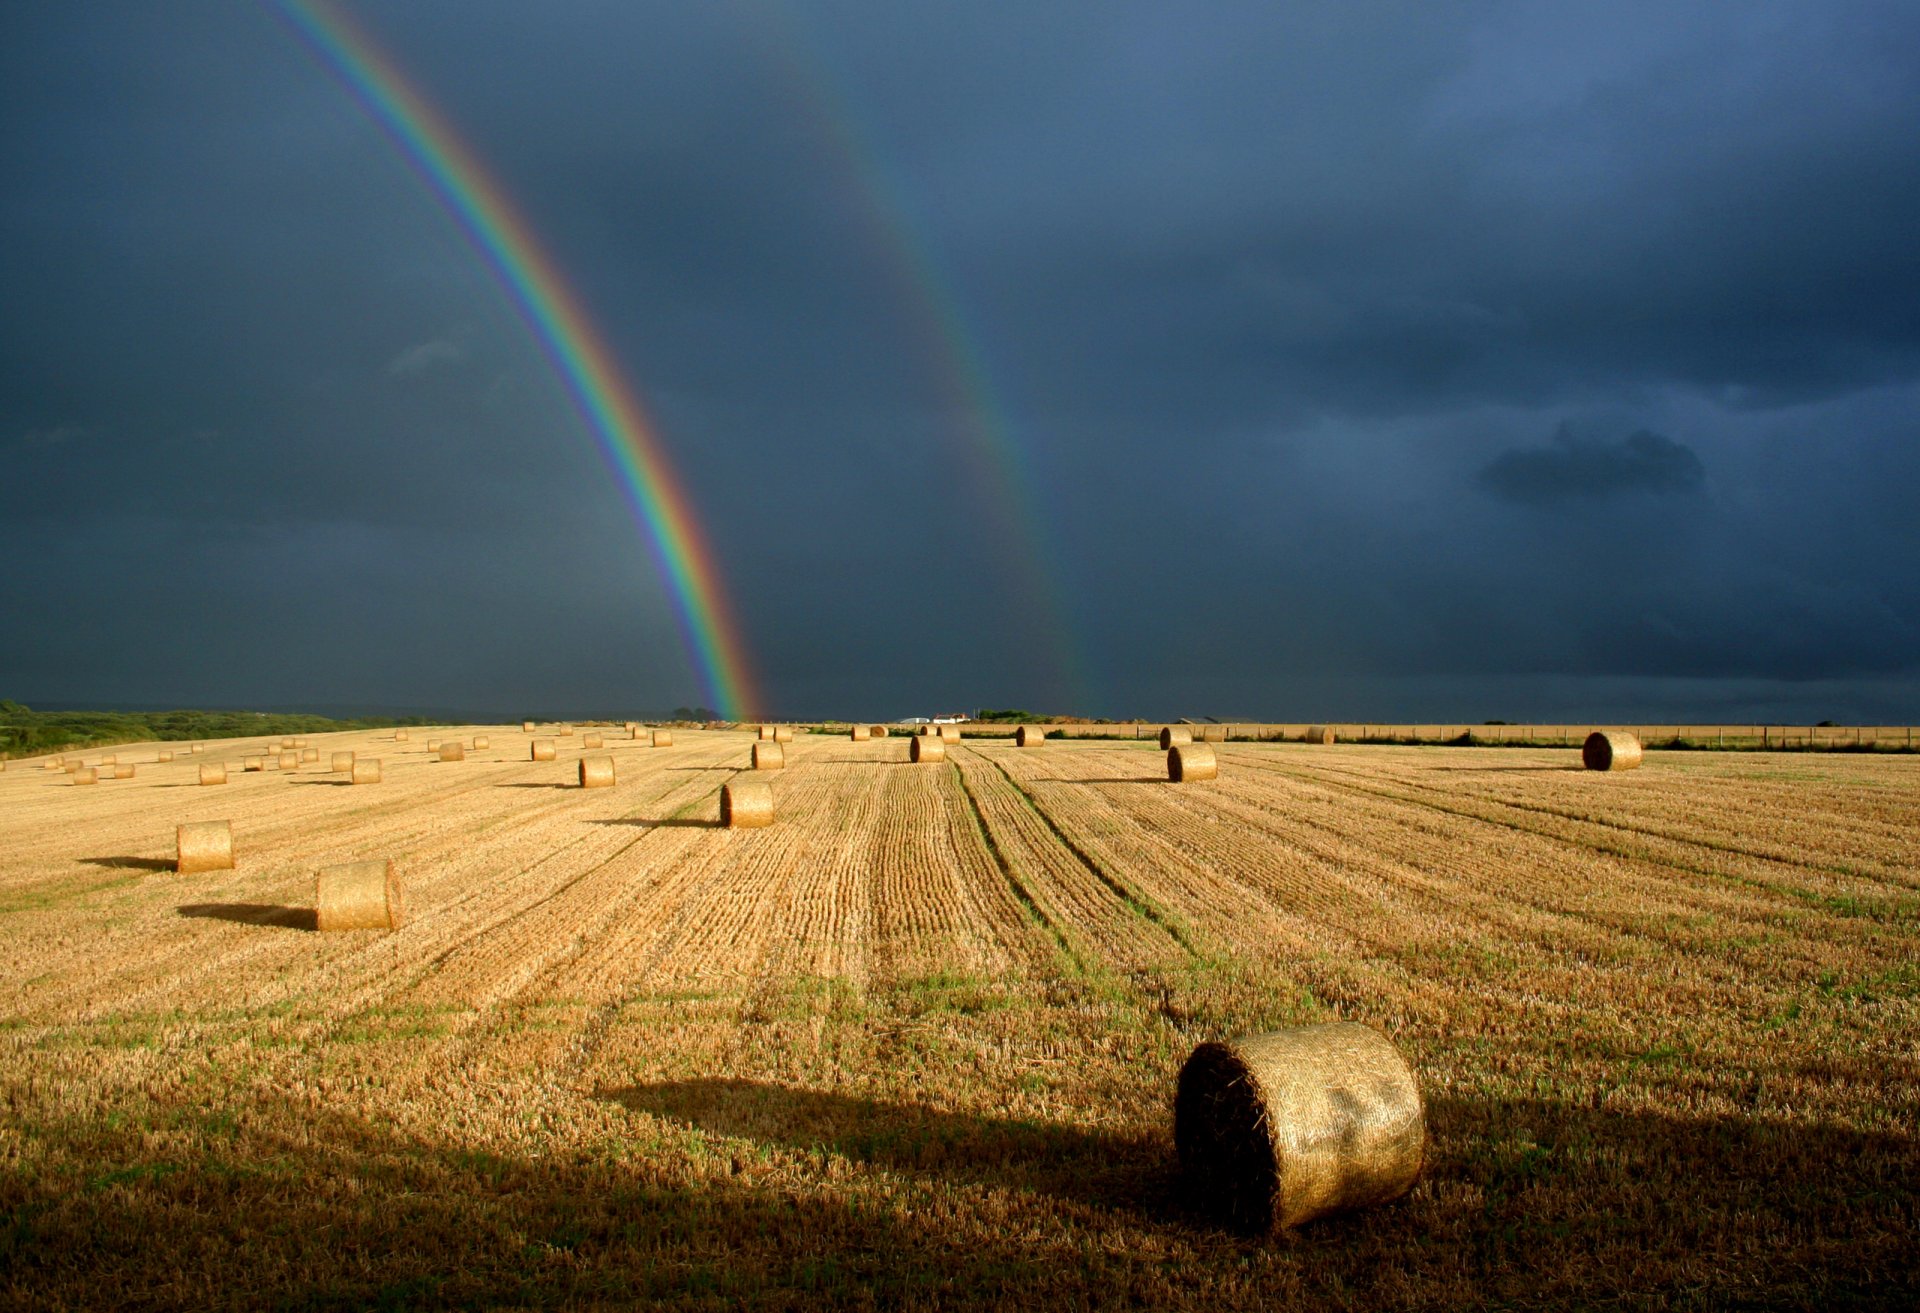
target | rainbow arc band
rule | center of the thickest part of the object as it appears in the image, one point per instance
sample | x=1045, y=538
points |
x=561, y=327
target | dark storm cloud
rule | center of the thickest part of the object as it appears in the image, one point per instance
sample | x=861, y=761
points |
x=1273, y=304
x=1573, y=468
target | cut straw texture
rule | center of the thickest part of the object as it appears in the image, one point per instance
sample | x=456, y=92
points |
x=1172, y=735
x=596, y=772
x=1029, y=736
x=769, y=756
x=1191, y=761
x=927, y=747
x=359, y=896
x=1277, y=1129
x=203, y=846
x=1320, y=734
x=215, y=773
x=1610, y=750
x=663, y=738
x=365, y=770
x=746, y=804
x=540, y=750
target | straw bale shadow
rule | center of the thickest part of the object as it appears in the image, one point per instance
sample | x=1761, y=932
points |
x=535, y=786
x=1487, y=770
x=668, y=823
x=331, y=783
x=1118, y=779
x=131, y=863
x=1094, y=1169
x=261, y=914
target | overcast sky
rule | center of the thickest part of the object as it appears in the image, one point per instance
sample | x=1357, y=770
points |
x=1256, y=360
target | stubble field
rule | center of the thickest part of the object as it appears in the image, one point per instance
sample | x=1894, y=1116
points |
x=916, y=1043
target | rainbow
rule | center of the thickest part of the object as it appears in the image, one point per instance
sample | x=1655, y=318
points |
x=564, y=332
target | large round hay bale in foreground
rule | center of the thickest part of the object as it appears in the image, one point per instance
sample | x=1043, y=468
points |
x=365, y=770
x=343, y=761
x=596, y=772
x=1610, y=750
x=746, y=804
x=879, y=731
x=87, y=775
x=1029, y=736
x=541, y=750
x=859, y=733
x=358, y=896
x=927, y=747
x=591, y=741
x=1191, y=761
x=1278, y=1129
x=1321, y=734
x=452, y=751
x=215, y=773
x=203, y=846
x=769, y=756
x=663, y=738
x=1173, y=735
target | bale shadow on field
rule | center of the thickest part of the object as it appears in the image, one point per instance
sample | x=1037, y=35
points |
x=1484, y=770
x=338, y=784
x=665, y=823
x=1096, y=1169
x=131, y=863
x=1117, y=779
x=536, y=786
x=260, y=914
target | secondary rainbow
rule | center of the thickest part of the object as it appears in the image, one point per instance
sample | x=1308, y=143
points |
x=561, y=327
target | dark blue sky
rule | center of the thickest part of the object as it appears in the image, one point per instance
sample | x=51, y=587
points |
x=1364, y=361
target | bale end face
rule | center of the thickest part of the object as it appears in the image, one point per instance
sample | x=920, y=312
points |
x=1610, y=750
x=1275, y=1130
x=1187, y=762
x=365, y=770
x=746, y=804
x=928, y=747
x=1171, y=737
x=596, y=772
x=879, y=731
x=769, y=756
x=203, y=846
x=663, y=738
x=452, y=752
x=1029, y=736
x=359, y=896
x=541, y=750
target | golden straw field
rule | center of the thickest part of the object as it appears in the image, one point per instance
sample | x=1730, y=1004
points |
x=915, y=1043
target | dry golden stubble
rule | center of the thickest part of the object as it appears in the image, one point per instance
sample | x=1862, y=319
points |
x=1172, y=735
x=927, y=747
x=1277, y=1129
x=596, y=772
x=746, y=804
x=1191, y=761
x=768, y=756
x=1610, y=750
x=540, y=750
x=359, y=896
x=203, y=846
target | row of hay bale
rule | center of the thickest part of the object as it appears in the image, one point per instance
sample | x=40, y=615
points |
x=363, y=895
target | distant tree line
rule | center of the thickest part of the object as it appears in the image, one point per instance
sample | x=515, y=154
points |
x=24, y=731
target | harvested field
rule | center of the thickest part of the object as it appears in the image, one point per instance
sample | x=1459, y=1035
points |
x=916, y=1043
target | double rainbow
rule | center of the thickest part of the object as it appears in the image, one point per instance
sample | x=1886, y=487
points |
x=561, y=327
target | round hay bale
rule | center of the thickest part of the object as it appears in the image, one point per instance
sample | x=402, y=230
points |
x=213, y=773
x=1191, y=761
x=1321, y=734
x=860, y=733
x=879, y=731
x=596, y=772
x=309, y=754
x=1275, y=1130
x=433, y=745
x=591, y=741
x=253, y=763
x=481, y=743
x=288, y=744
x=746, y=804
x=452, y=751
x=299, y=743
x=541, y=750
x=1174, y=735
x=663, y=738
x=399, y=736
x=1213, y=734
x=164, y=756
x=565, y=731
x=203, y=846
x=1610, y=750
x=359, y=896
x=783, y=734
x=950, y=733
x=86, y=775
x=926, y=731
x=1029, y=736
x=124, y=771
x=365, y=770
x=526, y=727
x=927, y=747
x=766, y=733
x=110, y=760
x=51, y=763
x=196, y=748
x=769, y=756
x=343, y=761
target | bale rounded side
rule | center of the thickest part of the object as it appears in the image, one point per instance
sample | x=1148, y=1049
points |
x=1610, y=750
x=87, y=775
x=928, y=747
x=1277, y=1129
x=1191, y=761
x=253, y=763
x=399, y=736
x=1029, y=736
x=746, y=804
x=663, y=738
x=215, y=773
x=540, y=750
x=526, y=727
x=343, y=761
x=859, y=733
x=203, y=846
x=769, y=756
x=1174, y=735
x=950, y=733
x=783, y=733
x=596, y=772
x=359, y=896
x=164, y=756
x=124, y=771
x=365, y=770
x=1320, y=734
x=453, y=751
x=766, y=733
x=591, y=741
x=196, y=748
x=481, y=743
